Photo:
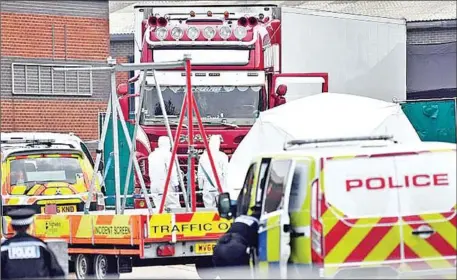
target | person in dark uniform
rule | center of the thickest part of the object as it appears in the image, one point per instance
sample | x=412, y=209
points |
x=231, y=255
x=25, y=256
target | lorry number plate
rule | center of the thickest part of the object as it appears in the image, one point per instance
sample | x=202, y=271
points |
x=204, y=248
x=62, y=209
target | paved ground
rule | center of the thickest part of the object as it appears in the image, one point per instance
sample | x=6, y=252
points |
x=163, y=272
x=160, y=272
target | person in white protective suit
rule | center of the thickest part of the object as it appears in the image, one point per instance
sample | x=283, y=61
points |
x=206, y=178
x=158, y=162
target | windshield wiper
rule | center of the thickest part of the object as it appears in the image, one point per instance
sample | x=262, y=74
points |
x=221, y=122
x=229, y=124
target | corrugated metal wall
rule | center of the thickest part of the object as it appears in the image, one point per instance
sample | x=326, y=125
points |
x=92, y=8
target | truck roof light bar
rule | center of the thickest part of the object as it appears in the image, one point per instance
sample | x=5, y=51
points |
x=161, y=21
x=243, y=21
x=152, y=21
x=253, y=21
x=198, y=43
x=299, y=142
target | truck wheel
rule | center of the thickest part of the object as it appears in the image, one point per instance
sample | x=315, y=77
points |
x=83, y=266
x=205, y=269
x=105, y=267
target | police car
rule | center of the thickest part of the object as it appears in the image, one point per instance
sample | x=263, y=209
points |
x=51, y=176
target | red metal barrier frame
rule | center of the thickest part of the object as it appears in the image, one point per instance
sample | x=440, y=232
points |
x=190, y=104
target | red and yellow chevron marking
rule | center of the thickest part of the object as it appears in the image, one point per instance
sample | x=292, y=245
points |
x=187, y=226
x=106, y=229
x=51, y=226
x=87, y=229
x=376, y=240
x=128, y=229
x=373, y=241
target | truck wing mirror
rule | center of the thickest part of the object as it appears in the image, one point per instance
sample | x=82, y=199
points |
x=224, y=206
x=281, y=90
x=122, y=89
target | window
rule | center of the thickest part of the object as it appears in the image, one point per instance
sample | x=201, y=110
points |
x=299, y=186
x=261, y=181
x=31, y=171
x=215, y=103
x=87, y=153
x=41, y=79
x=245, y=195
x=277, y=180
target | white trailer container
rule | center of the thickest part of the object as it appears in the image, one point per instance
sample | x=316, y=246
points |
x=363, y=55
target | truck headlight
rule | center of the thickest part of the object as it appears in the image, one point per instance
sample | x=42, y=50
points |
x=161, y=33
x=240, y=32
x=225, y=32
x=177, y=33
x=209, y=32
x=193, y=32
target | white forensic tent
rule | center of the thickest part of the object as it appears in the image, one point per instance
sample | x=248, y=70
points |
x=326, y=115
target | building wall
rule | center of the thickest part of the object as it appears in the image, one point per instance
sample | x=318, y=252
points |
x=432, y=36
x=38, y=36
x=122, y=50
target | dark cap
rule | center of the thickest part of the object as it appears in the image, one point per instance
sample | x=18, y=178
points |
x=21, y=217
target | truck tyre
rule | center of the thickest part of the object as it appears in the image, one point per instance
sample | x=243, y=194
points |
x=105, y=267
x=83, y=266
x=205, y=268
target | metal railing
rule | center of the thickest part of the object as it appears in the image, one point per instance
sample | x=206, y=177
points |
x=41, y=79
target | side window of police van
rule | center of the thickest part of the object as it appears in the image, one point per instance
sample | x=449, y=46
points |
x=299, y=186
x=245, y=194
x=275, y=185
x=87, y=153
x=262, y=180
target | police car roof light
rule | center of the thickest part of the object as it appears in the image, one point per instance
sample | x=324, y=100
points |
x=17, y=140
x=297, y=142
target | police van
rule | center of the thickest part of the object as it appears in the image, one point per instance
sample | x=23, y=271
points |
x=354, y=207
x=46, y=175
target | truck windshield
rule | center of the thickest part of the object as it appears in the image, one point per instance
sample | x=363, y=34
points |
x=43, y=170
x=238, y=105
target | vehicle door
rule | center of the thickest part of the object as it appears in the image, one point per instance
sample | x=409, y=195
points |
x=428, y=211
x=359, y=215
x=244, y=198
x=258, y=191
x=300, y=215
x=274, y=225
x=256, y=203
